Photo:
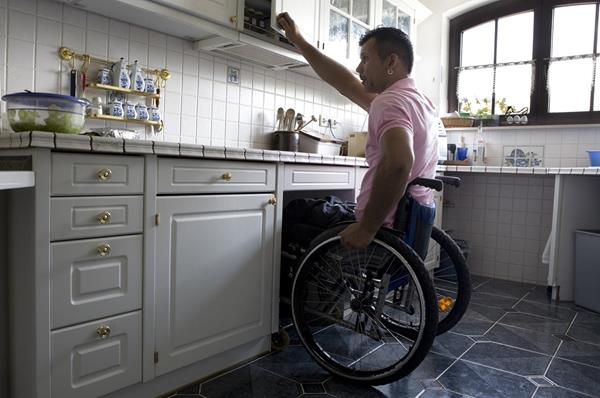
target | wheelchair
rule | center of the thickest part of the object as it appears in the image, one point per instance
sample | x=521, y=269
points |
x=371, y=315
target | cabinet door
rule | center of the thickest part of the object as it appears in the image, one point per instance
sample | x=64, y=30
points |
x=397, y=14
x=343, y=22
x=217, y=10
x=214, y=275
x=305, y=13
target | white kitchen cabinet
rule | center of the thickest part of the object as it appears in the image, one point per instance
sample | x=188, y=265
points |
x=220, y=11
x=306, y=13
x=396, y=14
x=214, y=270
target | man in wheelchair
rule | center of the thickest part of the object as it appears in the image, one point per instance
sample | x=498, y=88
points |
x=402, y=134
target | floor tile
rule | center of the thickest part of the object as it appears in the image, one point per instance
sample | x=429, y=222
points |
x=477, y=280
x=313, y=388
x=505, y=288
x=527, y=339
x=588, y=354
x=342, y=389
x=575, y=376
x=451, y=344
x=295, y=363
x=248, y=382
x=545, y=310
x=533, y=322
x=439, y=394
x=472, y=327
x=588, y=332
x=538, y=294
x=557, y=392
x=191, y=389
x=484, y=312
x=540, y=381
x=493, y=300
x=479, y=381
x=507, y=358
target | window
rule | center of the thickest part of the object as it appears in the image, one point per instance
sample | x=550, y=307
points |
x=348, y=21
x=392, y=16
x=536, y=54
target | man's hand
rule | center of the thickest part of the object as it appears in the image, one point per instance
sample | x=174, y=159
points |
x=289, y=26
x=356, y=236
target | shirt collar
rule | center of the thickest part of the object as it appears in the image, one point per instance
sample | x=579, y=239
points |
x=407, y=82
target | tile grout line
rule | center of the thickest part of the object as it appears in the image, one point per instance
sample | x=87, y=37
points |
x=559, y=345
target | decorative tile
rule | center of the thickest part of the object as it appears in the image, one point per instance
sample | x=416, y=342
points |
x=301, y=157
x=313, y=388
x=479, y=381
x=166, y=148
x=294, y=363
x=77, y=142
x=339, y=160
x=328, y=159
x=15, y=140
x=532, y=322
x=191, y=150
x=215, y=152
x=271, y=156
x=540, y=381
x=286, y=156
x=235, y=153
x=507, y=358
x=138, y=146
x=524, y=338
x=254, y=154
x=575, y=376
x=248, y=382
x=315, y=158
x=42, y=139
x=5, y=139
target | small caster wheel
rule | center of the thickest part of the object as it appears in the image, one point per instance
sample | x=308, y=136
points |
x=280, y=340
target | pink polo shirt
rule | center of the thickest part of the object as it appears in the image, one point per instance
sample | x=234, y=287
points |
x=402, y=105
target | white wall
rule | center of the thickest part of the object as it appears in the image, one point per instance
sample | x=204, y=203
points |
x=198, y=105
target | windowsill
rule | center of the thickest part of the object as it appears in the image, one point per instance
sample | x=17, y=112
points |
x=525, y=127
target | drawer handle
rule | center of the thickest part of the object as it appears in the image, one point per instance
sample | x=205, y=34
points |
x=104, y=217
x=227, y=176
x=105, y=174
x=104, y=250
x=103, y=331
x=272, y=200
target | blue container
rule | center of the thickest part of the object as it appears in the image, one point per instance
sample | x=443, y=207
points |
x=461, y=153
x=594, y=158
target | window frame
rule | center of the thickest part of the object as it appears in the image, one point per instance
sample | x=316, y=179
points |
x=542, y=42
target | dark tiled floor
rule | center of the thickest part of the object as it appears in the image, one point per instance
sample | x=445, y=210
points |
x=511, y=343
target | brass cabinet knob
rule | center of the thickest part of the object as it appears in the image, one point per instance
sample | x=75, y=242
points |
x=272, y=200
x=103, y=331
x=227, y=176
x=104, y=217
x=233, y=19
x=105, y=174
x=104, y=249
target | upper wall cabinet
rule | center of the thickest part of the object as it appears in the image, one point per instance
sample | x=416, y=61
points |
x=343, y=22
x=305, y=13
x=220, y=11
x=396, y=14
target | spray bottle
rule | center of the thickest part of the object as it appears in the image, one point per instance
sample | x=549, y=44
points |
x=479, y=147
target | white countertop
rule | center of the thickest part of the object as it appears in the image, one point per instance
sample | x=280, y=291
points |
x=73, y=142
x=16, y=179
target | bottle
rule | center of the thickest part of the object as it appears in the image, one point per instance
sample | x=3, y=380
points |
x=479, y=147
x=120, y=75
x=137, y=77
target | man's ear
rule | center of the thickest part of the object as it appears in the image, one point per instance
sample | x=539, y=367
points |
x=392, y=61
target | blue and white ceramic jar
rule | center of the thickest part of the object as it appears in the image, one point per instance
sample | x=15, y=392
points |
x=142, y=112
x=120, y=74
x=116, y=108
x=130, y=112
x=137, y=77
x=154, y=114
x=103, y=76
x=150, y=86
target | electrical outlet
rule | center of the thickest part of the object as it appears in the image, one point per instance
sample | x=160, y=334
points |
x=326, y=121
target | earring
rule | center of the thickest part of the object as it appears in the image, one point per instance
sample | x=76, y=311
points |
x=390, y=72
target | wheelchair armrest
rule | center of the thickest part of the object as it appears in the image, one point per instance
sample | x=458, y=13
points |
x=428, y=183
x=454, y=181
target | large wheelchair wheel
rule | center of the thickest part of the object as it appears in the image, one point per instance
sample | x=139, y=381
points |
x=368, y=316
x=451, y=281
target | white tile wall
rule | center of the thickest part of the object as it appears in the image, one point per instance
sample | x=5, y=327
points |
x=198, y=104
x=506, y=219
x=563, y=146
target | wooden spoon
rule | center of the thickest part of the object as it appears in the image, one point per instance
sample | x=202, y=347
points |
x=279, y=121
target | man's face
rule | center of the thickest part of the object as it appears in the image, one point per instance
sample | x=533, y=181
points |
x=370, y=69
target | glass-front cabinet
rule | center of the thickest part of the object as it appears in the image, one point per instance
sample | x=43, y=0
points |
x=396, y=14
x=343, y=22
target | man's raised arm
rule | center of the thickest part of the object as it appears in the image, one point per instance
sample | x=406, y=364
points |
x=328, y=69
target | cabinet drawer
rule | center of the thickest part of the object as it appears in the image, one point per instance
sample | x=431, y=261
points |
x=300, y=177
x=76, y=218
x=207, y=176
x=95, y=278
x=85, y=174
x=87, y=365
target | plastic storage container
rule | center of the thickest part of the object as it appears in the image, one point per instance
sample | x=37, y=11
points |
x=594, y=158
x=57, y=113
x=587, y=269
